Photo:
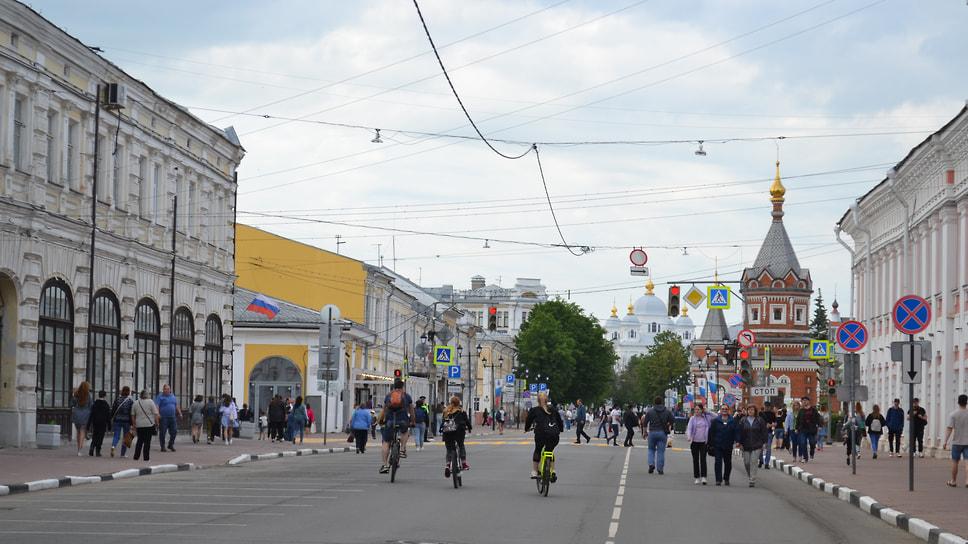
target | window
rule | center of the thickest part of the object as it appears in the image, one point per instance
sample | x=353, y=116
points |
x=141, y=192
x=19, y=133
x=73, y=148
x=755, y=315
x=52, y=147
x=213, y=356
x=631, y=334
x=117, y=177
x=102, y=170
x=157, y=192
x=147, y=338
x=105, y=351
x=524, y=316
x=180, y=194
x=799, y=315
x=55, y=336
x=182, y=356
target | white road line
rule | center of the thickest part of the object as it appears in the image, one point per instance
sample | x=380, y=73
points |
x=619, y=498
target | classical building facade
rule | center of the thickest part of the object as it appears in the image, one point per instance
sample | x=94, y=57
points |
x=116, y=246
x=633, y=333
x=910, y=237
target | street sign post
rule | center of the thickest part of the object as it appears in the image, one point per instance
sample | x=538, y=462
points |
x=764, y=391
x=746, y=338
x=819, y=349
x=911, y=314
x=852, y=336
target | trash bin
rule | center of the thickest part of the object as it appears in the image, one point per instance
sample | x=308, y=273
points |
x=679, y=427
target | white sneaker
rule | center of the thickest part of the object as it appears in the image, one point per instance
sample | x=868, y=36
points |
x=534, y=474
x=703, y=481
x=696, y=482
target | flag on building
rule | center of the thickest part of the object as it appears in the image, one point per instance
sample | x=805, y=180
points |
x=264, y=305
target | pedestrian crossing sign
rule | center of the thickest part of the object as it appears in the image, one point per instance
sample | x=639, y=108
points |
x=717, y=298
x=818, y=349
x=443, y=355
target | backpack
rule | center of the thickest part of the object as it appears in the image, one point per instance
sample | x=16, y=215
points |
x=397, y=401
x=875, y=425
x=449, y=424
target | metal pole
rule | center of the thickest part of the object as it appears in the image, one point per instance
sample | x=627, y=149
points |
x=911, y=420
x=329, y=342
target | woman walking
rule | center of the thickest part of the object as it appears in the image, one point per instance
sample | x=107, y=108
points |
x=146, y=419
x=421, y=419
x=230, y=414
x=197, y=415
x=299, y=419
x=81, y=404
x=121, y=416
x=723, y=433
x=876, y=424
x=360, y=424
x=697, y=434
x=752, y=440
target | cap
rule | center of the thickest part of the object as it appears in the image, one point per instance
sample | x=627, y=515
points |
x=916, y=399
x=897, y=400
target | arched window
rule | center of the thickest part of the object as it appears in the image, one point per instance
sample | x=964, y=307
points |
x=147, y=338
x=213, y=356
x=105, y=351
x=55, y=338
x=182, y=356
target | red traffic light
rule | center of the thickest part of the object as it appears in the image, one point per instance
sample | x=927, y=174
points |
x=674, y=290
x=830, y=383
x=397, y=373
x=744, y=354
x=492, y=310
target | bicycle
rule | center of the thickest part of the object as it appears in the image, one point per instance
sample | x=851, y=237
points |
x=394, y=458
x=545, y=478
x=456, y=472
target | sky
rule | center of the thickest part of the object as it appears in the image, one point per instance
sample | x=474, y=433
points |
x=548, y=139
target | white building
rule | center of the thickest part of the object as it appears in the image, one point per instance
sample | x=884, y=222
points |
x=647, y=317
x=910, y=237
x=145, y=297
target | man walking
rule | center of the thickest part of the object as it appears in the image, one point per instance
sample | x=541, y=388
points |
x=168, y=410
x=920, y=419
x=658, y=421
x=895, y=426
x=769, y=417
x=958, y=434
x=806, y=423
x=615, y=416
x=580, y=415
x=631, y=421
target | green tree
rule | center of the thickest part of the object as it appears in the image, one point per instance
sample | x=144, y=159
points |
x=662, y=367
x=561, y=346
x=820, y=324
x=625, y=386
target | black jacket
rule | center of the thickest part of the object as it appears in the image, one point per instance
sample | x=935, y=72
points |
x=544, y=423
x=659, y=418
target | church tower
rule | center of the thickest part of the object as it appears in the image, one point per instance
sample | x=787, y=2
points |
x=777, y=293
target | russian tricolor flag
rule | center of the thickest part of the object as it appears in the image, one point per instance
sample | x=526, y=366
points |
x=263, y=305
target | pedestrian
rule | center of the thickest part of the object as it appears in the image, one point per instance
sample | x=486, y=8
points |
x=631, y=421
x=421, y=419
x=211, y=419
x=486, y=417
x=603, y=422
x=957, y=433
x=568, y=415
x=752, y=440
x=81, y=404
x=100, y=417
x=360, y=423
x=895, y=428
x=299, y=419
x=822, y=429
x=658, y=421
x=861, y=427
x=196, y=416
x=615, y=418
x=723, y=433
x=277, y=419
x=229, y=415
x=769, y=417
x=310, y=418
x=792, y=436
x=876, y=424
x=853, y=429
x=697, y=434
x=373, y=425
x=920, y=421
x=781, y=415
x=453, y=428
x=146, y=419
x=580, y=414
x=501, y=416
x=170, y=413
x=121, y=416
x=807, y=422
x=263, y=424
x=244, y=414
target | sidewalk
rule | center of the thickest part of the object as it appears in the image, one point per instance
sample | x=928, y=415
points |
x=881, y=488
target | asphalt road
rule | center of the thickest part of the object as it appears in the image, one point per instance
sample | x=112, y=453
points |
x=604, y=495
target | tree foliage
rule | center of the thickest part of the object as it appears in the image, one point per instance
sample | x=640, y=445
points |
x=820, y=324
x=663, y=367
x=560, y=346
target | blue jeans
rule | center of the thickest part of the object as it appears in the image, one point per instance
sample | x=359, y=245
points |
x=657, y=447
x=419, y=434
x=120, y=429
x=168, y=425
x=769, y=451
x=806, y=438
x=602, y=427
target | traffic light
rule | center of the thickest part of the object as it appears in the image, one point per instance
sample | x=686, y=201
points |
x=492, y=318
x=832, y=391
x=745, y=369
x=831, y=383
x=674, y=301
x=397, y=373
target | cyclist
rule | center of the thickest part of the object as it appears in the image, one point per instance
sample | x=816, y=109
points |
x=454, y=424
x=397, y=410
x=547, y=425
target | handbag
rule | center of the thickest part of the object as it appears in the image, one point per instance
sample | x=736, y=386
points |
x=351, y=439
x=129, y=437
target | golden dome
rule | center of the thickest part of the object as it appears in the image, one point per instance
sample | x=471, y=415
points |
x=648, y=287
x=614, y=309
x=631, y=307
x=777, y=191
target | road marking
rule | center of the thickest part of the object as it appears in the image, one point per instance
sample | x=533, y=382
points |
x=619, y=498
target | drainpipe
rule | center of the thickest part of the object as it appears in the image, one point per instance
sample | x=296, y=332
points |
x=870, y=273
x=907, y=230
x=850, y=309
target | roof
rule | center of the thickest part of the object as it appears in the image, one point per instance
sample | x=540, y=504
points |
x=776, y=254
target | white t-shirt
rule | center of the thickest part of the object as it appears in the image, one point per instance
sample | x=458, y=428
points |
x=616, y=416
x=958, y=420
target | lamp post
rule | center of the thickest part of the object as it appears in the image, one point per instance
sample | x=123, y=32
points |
x=432, y=336
x=500, y=364
x=709, y=353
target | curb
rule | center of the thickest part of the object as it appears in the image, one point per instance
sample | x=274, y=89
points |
x=916, y=526
x=70, y=481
